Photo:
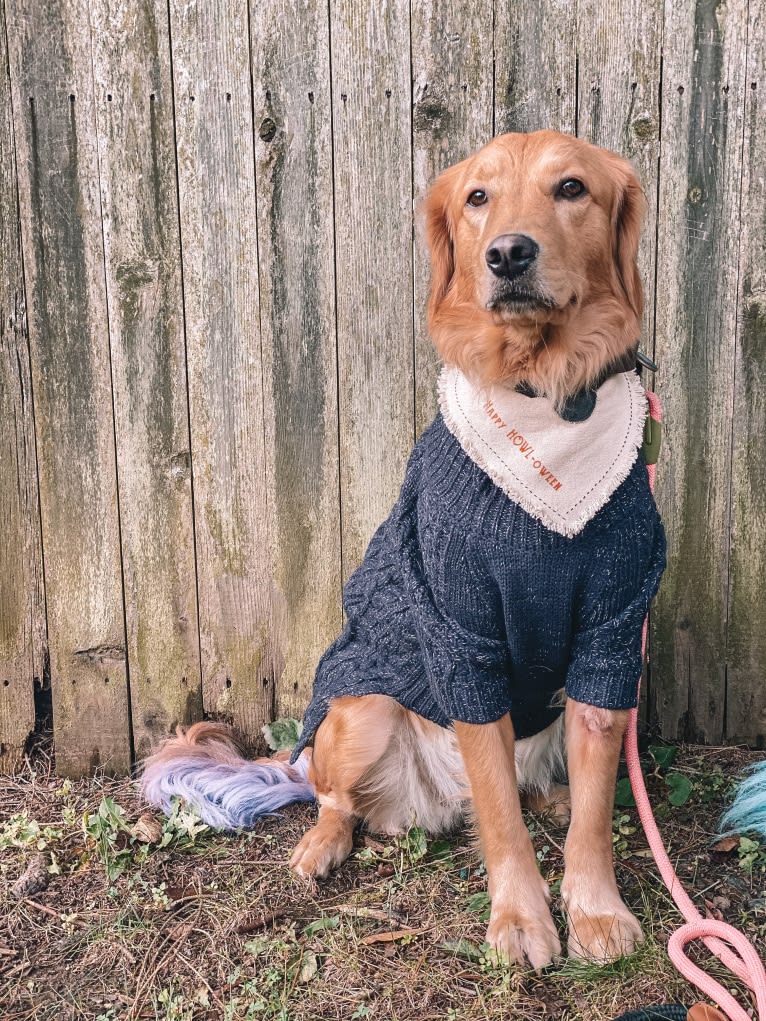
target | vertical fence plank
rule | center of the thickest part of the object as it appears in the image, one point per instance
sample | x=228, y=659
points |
x=291, y=79
x=618, y=48
x=49, y=45
x=535, y=65
x=618, y=53
x=451, y=117
x=22, y=610
x=745, y=690
x=214, y=132
x=133, y=97
x=373, y=231
x=700, y=178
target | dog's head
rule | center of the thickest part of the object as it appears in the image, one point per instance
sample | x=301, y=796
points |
x=533, y=247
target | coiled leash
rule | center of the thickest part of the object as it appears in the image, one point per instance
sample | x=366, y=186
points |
x=728, y=944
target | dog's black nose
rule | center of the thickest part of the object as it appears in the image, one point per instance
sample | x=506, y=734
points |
x=510, y=255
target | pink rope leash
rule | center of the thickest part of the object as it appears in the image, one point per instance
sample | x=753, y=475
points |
x=723, y=940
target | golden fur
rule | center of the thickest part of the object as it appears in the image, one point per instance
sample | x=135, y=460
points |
x=586, y=270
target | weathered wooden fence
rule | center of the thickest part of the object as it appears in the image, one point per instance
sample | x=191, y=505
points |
x=213, y=359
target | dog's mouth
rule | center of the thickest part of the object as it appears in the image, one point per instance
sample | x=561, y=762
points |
x=518, y=302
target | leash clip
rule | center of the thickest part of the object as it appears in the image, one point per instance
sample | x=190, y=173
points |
x=645, y=362
x=652, y=440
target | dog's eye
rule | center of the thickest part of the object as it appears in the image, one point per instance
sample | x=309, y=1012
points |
x=571, y=189
x=476, y=198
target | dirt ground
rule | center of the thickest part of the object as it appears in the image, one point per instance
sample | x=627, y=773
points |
x=108, y=911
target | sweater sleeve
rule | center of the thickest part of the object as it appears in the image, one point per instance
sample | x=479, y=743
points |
x=623, y=578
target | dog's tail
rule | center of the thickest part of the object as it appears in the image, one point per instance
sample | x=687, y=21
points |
x=747, y=813
x=206, y=767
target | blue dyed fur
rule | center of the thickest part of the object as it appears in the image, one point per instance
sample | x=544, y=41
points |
x=747, y=814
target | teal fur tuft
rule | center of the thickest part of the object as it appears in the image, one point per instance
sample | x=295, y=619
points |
x=747, y=813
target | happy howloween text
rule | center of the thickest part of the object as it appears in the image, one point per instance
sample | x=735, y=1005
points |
x=522, y=445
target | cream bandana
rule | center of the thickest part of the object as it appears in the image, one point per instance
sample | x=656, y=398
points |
x=560, y=472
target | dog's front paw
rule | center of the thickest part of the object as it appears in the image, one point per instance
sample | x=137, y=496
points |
x=321, y=849
x=602, y=936
x=530, y=940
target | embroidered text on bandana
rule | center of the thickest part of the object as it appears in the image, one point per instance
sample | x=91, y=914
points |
x=560, y=472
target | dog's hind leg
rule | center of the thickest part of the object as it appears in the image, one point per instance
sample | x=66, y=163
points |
x=350, y=741
x=556, y=801
x=539, y=763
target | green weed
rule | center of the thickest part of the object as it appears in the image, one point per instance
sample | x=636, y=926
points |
x=117, y=846
x=752, y=855
x=622, y=828
x=23, y=832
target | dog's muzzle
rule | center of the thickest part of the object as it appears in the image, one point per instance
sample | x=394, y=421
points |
x=511, y=260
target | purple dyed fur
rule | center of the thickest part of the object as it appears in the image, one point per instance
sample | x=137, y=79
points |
x=227, y=797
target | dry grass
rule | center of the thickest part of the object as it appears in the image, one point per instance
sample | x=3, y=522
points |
x=216, y=927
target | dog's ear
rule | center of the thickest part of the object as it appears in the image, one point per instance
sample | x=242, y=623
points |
x=439, y=237
x=627, y=218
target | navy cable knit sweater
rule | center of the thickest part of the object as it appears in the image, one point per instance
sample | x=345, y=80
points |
x=466, y=607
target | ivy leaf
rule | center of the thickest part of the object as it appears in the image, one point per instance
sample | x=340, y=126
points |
x=282, y=735
x=440, y=850
x=680, y=788
x=463, y=948
x=480, y=903
x=663, y=755
x=623, y=795
x=413, y=843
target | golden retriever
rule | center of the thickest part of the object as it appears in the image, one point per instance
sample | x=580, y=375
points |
x=533, y=244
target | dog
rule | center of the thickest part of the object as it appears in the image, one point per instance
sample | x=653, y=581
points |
x=491, y=640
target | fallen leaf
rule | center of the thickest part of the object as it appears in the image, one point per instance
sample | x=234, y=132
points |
x=374, y=845
x=34, y=879
x=463, y=948
x=390, y=937
x=147, y=828
x=179, y=932
x=711, y=911
x=726, y=845
x=385, y=870
x=309, y=967
x=252, y=921
x=328, y=922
